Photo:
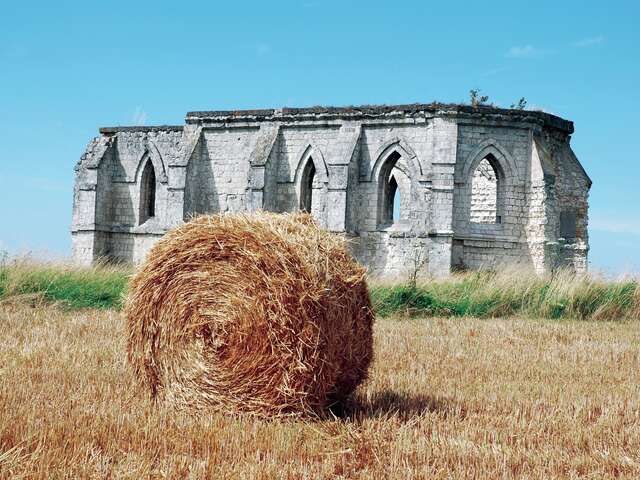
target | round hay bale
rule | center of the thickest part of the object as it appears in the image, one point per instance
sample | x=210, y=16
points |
x=259, y=313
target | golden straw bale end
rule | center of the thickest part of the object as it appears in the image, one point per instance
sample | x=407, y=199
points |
x=258, y=313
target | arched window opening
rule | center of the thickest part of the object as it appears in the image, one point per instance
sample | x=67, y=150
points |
x=393, y=194
x=396, y=203
x=389, y=192
x=484, y=192
x=306, y=193
x=147, y=193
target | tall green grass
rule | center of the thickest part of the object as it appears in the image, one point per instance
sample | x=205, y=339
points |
x=71, y=286
x=512, y=293
x=477, y=294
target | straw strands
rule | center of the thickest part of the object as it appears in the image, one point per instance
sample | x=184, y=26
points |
x=258, y=313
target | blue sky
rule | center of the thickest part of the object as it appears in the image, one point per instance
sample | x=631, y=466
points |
x=67, y=68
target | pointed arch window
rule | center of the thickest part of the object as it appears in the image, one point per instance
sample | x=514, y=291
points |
x=389, y=192
x=147, y=192
x=397, y=202
x=485, y=192
x=393, y=195
x=306, y=190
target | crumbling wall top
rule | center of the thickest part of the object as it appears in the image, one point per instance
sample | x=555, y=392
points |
x=156, y=128
x=362, y=112
x=376, y=111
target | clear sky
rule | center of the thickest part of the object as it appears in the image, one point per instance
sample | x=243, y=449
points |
x=67, y=68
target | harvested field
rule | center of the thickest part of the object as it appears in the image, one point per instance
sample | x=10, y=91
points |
x=447, y=398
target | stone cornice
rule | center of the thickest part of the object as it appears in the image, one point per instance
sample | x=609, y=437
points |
x=481, y=113
x=157, y=128
x=381, y=111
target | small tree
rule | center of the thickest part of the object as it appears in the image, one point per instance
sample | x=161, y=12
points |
x=418, y=261
x=476, y=99
x=521, y=105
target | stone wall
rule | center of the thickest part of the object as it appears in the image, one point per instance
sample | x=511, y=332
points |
x=505, y=147
x=567, y=203
x=217, y=172
x=478, y=187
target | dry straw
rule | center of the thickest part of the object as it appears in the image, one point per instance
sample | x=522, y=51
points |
x=262, y=313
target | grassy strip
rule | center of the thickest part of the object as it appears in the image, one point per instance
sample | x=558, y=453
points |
x=504, y=294
x=74, y=287
x=478, y=294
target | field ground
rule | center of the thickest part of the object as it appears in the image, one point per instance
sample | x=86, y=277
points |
x=447, y=398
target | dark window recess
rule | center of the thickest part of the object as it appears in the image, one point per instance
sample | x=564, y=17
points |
x=568, y=225
x=390, y=200
x=147, y=193
x=387, y=191
x=306, y=195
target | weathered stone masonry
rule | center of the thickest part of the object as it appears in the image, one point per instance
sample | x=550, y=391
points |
x=478, y=186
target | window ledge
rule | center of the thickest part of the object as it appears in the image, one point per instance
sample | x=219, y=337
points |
x=486, y=227
x=151, y=225
x=399, y=226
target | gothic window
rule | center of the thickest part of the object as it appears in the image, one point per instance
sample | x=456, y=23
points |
x=306, y=187
x=390, y=202
x=396, y=203
x=147, y=193
x=485, y=188
x=389, y=195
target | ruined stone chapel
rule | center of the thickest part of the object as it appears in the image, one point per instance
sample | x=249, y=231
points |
x=433, y=187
